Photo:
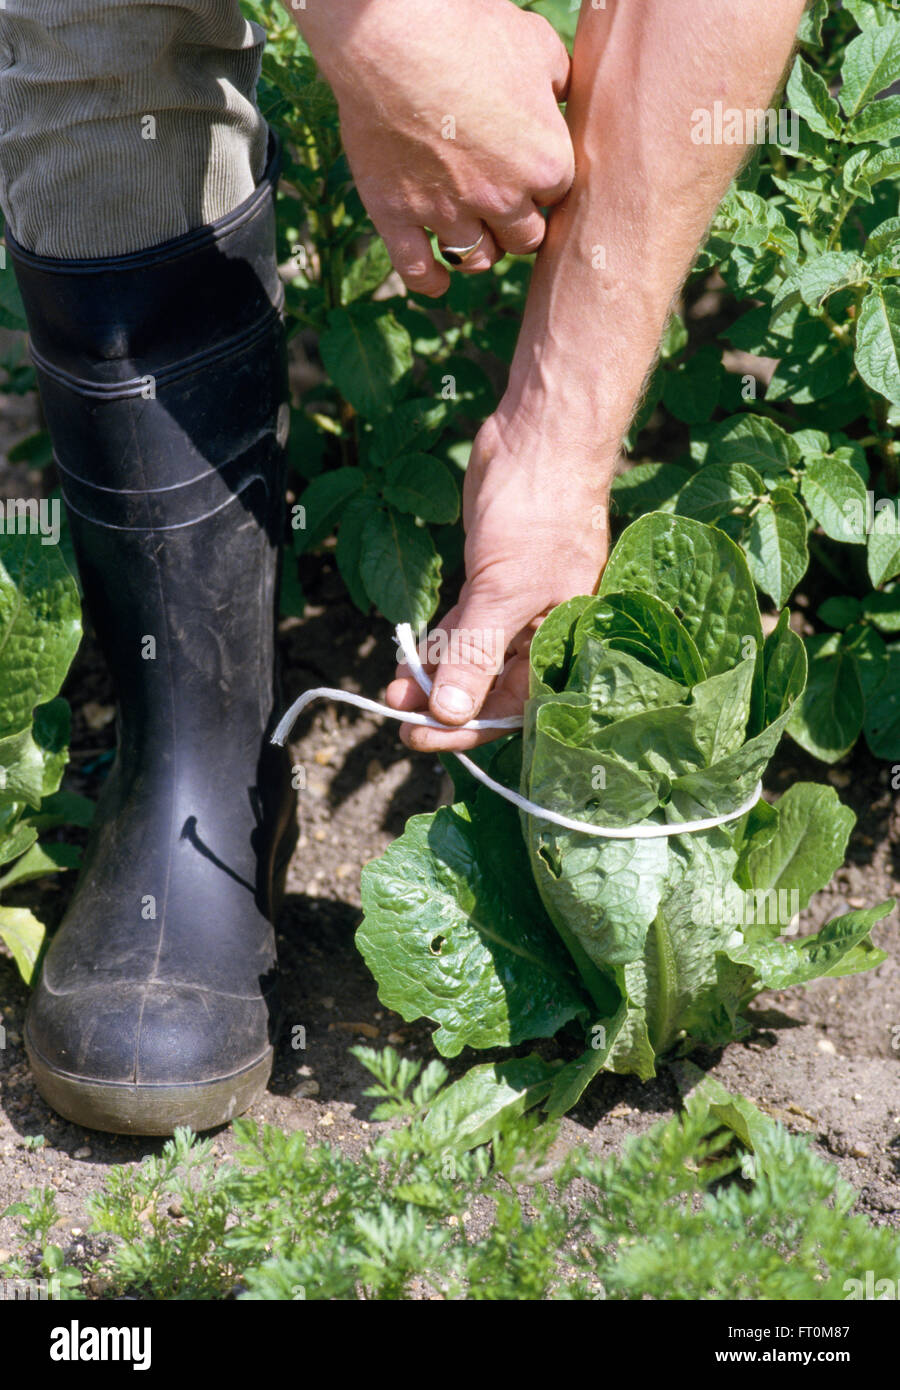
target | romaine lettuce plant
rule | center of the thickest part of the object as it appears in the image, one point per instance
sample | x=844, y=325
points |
x=655, y=702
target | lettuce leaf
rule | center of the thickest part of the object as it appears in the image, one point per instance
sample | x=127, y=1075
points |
x=454, y=930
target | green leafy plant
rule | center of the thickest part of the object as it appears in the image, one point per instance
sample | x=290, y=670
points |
x=655, y=702
x=40, y=627
x=786, y=1232
x=312, y=1222
x=37, y=1215
x=719, y=1203
x=806, y=479
x=17, y=376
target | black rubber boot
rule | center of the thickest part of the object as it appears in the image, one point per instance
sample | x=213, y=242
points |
x=164, y=385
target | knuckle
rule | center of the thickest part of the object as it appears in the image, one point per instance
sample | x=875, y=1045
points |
x=475, y=651
x=412, y=268
x=414, y=273
x=409, y=258
x=543, y=31
x=495, y=202
x=380, y=204
x=555, y=169
x=549, y=47
x=395, y=202
x=444, y=210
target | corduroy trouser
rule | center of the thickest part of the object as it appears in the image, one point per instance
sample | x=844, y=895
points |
x=125, y=123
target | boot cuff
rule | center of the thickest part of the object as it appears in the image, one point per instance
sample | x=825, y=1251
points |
x=103, y=326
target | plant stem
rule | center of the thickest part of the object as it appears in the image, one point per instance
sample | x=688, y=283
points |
x=660, y=1026
x=843, y=335
x=844, y=208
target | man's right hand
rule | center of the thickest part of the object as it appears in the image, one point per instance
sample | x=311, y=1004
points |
x=450, y=119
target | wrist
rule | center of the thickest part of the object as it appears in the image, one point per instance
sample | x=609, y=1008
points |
x=362, y=46
x=578, y=394
x=535, y=441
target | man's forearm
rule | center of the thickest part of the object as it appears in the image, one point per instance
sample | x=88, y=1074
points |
x=619, y=247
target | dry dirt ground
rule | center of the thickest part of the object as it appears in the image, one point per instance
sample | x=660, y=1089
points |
x=820, y=1060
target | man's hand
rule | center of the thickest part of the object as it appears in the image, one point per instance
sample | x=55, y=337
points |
x=617, y=250
x=451, y=122
x=536, y=533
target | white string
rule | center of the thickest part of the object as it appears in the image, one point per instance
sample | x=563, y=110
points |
x=406, y=643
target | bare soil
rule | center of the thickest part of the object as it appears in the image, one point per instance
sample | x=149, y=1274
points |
x=821, y=1059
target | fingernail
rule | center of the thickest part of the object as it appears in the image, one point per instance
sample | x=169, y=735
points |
x=453, y=700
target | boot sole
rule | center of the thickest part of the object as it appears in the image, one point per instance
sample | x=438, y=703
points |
x=152, y=1110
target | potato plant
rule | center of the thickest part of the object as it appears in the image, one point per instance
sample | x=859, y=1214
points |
x=804, y=473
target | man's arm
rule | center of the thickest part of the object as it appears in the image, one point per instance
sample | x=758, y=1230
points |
x=616, y=252
x=450, y=118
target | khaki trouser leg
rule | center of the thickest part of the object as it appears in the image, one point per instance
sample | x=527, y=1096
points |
x=125, y=124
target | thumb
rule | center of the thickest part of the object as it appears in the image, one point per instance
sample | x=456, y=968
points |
x=477, y=634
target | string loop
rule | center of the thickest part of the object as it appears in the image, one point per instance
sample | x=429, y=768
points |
x=407, y=645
